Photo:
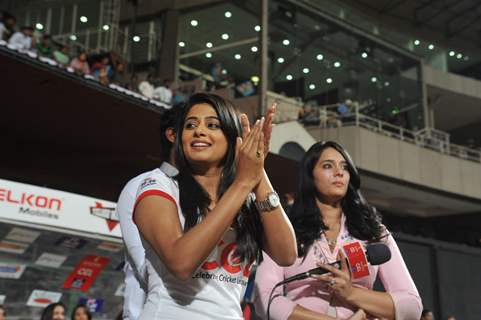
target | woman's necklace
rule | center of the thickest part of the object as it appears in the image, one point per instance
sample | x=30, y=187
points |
x=332, y=242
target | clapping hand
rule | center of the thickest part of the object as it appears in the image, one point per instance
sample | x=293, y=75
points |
x=266, y=127
x=250, y=155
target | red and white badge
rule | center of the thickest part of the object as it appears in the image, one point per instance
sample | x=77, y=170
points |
x=357, y=259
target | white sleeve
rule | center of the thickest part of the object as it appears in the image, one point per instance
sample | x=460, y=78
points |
x=155, y=185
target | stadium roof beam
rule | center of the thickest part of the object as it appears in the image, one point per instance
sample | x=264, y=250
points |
x=461, y=14
x=450, y=34
x=440, y=11
x=394, y=4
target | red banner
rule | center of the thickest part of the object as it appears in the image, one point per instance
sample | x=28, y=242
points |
x=85, y=273
x=357, y=260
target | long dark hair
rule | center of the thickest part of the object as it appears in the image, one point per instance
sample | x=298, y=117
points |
x=362, y=220
x=194, y=200
x=47, y=313
x=81, y=306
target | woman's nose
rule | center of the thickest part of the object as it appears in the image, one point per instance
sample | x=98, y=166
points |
x=339, y=170
x=199, y=131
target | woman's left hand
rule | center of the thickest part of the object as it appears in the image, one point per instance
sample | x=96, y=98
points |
x=338, y=281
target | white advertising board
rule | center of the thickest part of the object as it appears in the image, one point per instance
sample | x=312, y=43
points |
x=38, y=205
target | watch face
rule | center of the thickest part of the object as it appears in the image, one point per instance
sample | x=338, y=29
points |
x=274, y=200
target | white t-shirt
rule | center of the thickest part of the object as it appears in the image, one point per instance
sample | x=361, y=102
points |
x=20, y=41
x=146, y=89
x=162, y=94
x=215, y=289
x=134, y=294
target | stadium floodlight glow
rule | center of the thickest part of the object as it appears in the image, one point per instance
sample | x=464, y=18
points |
x=459, y=55
x=337, y=64
x=286, y=42
x=254, y=49
x=227, y=14
x=255, y=79
x=39, y=26
x=466, y=58
x=224, y=71
x=194, y=23
x=257, y=28
x=208, y=55
x=224, y=36
x=106, y=27
x=386, y=84
x=431, y=46
x=452, y=53
x=280, y=60
x=319, y=57
x=83, y=19
x=364, y=55
x=305, y=70
x=329, y=80
x=73, y=37
x=136, y=38
x=373, y=79
x=237, y=56
x=209, y=44
x=417, y=42
x=312, y=86
x=289, y=77
x=181, y=44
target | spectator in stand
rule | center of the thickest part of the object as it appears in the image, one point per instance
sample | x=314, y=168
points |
x=80, y=312
x=146, y=87
x=102, y=70
x=22, y=40
x=7, y=26
x=44, y=47
x=308, y=116
x=80, y=64
x=103, y=77
x=62, y=55
x=134, y=82
x=219, y=76
x=164, y=93
x=54, y=311
x=3, y=312
x=2, y=25
x=451, y=318
x=427, y=315
x=120, y=76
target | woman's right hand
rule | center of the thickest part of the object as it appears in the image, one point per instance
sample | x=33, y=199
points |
x=250, y=156
x=358, y=315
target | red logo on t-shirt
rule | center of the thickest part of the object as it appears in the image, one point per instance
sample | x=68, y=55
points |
x=228, y=261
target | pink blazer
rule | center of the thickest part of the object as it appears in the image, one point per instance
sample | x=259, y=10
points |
x=312, y=294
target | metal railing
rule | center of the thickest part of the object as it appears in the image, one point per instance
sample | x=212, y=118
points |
x=428, y=138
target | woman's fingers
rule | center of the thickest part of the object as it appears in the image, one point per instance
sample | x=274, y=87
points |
x=333, y=270
x=238, y=146
x=249, y=140
x=342, y=257
x=267, y=128
x=259, y=142
x=244, y=120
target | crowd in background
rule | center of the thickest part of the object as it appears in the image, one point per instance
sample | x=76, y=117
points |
x=105, y=67
x=57, y=311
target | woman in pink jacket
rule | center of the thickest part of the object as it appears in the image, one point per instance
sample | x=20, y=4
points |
x=329, y=212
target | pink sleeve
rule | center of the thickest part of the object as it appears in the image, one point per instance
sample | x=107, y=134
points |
x=267, y=275
x=398, y=283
